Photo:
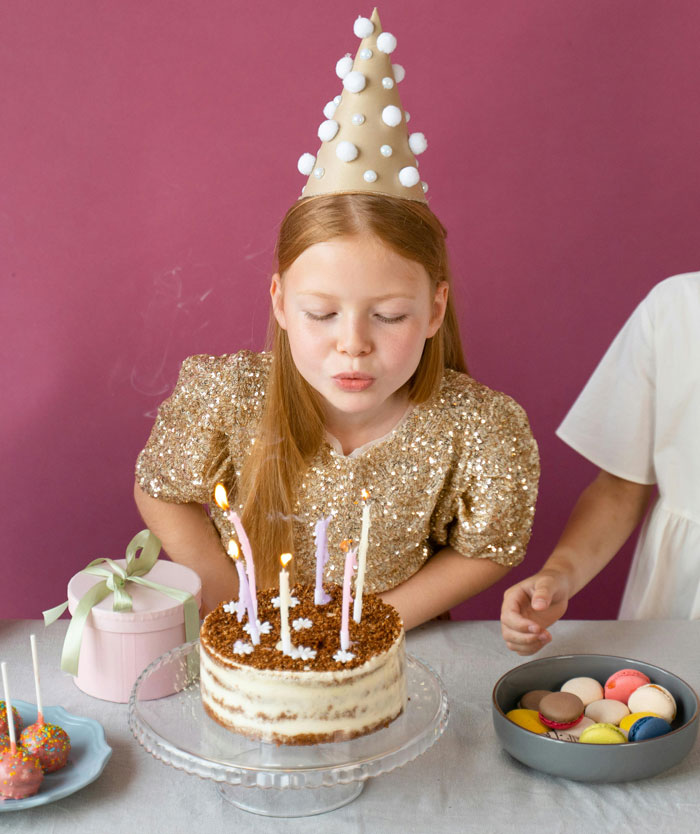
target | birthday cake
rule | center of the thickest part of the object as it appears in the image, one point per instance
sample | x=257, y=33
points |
x=315, y=692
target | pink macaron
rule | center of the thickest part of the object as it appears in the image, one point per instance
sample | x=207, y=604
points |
x=620, y=685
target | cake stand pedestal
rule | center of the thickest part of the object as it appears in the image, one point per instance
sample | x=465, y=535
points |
x=278, y=781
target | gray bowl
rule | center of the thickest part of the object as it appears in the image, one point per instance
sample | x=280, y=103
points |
x=592, y=762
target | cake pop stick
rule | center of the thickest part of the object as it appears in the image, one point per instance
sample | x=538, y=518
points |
x=37, y=686
x=10, y=716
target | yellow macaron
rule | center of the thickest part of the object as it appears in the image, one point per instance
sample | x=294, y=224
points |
x=628, y=720
x=528, y=719
x=603, y=734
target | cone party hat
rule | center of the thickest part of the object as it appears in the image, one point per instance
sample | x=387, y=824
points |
x=366, y=146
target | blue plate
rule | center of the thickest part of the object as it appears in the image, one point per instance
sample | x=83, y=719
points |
x=89, y=753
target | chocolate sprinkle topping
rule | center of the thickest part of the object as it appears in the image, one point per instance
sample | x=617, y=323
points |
x=377, y=631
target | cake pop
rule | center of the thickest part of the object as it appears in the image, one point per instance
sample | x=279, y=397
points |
x=3, y=719
x=20, y=772
x=48, y=742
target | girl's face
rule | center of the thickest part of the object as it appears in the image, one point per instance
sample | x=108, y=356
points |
x=357, y=316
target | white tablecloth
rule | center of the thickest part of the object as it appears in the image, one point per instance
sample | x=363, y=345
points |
x=464, y=783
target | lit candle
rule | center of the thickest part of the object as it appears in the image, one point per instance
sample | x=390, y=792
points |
x=222, y=500
x=37, y=686
x=244, y=592
x=361, y=559
x=350, y=563
x=321, y=534
x=285, y=634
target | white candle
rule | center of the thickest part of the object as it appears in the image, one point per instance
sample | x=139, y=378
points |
x=321, y=535
x=285, y=634
x=8, y=705
x=350, y=563
x=361, y=559
x=37, y=686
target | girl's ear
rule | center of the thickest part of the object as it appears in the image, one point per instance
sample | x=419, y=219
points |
x=439, y=307
x=276, y=296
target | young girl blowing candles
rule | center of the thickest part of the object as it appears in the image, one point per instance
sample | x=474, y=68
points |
x=363, y=397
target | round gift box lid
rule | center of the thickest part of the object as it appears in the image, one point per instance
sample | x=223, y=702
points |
x=152, y=610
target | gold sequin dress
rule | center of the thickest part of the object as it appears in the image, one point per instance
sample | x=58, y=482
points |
x=460, y=470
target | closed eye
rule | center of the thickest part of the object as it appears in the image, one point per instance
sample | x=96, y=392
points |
x=391, y=319
x=318, y=316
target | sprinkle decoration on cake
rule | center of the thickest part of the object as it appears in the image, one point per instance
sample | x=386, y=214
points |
x=317, y=692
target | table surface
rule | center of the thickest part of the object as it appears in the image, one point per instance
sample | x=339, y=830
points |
x=466, y=782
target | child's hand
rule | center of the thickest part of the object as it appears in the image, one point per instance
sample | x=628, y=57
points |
x=530, y=607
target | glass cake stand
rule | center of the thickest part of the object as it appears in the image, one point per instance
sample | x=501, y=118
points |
x=278, y=781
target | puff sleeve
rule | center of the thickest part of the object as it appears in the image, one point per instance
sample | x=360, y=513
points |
x=185, y=446
x=489, y=513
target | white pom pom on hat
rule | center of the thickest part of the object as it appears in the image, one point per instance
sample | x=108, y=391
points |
x=399, y=72
x=346, y=151
x=329, y=109
x=417, y=143
x=386, y=43
x=344, y=65
x=328, y=130
x=363, y=27
x=391, y=115
x=306, y=164
x=409, y=176
x=354, y=82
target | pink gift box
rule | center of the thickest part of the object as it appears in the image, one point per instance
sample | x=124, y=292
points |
x=118, y=645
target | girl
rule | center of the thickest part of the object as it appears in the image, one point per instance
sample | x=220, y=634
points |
x=637, y=420
x=365, y=388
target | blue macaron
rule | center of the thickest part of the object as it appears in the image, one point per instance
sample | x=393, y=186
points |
x=648, y=727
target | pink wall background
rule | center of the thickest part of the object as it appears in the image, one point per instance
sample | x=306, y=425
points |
x=148, y=151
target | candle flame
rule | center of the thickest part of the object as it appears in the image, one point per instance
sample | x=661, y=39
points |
x=220, y=496
x=345, y=545
x=365, y=494
x=285, y=559
x=233, y=550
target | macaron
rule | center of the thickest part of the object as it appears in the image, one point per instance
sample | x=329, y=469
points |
x=603, y=734
x=587, y=689
x=628, y=720
x=528, y=719
x=560, y=710
x=621, y=684
x=650, y=726
x=572, y=733
x=653, y=698
x=531, y=699
x=606, y=711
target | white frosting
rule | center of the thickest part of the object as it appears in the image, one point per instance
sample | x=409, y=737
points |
x=277, y=705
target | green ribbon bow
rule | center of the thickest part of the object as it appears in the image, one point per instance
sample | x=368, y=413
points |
x=114, y=582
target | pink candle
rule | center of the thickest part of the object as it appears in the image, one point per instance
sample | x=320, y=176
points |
x=350, y=563
x=221, y=499
x=321, y=534
x=244, y=592
x=248, y=554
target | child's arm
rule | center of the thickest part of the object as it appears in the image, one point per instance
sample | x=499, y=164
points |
x=190, y=538
x=605, y=515
x=446, y=579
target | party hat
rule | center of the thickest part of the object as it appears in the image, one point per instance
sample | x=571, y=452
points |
x=366, y=146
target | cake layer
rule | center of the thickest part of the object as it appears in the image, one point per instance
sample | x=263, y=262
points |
x=305, y=707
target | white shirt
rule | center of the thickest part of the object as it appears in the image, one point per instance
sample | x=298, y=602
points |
x=639, y=418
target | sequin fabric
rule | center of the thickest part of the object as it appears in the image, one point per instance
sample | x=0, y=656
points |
x=461, y=470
